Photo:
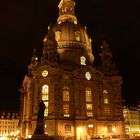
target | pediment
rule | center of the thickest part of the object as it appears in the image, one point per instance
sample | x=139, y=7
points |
x=81, y=73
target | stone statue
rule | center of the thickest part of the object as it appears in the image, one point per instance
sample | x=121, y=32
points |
x=40, y=119
x=41, y=111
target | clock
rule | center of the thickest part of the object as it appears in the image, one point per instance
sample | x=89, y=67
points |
x=88, y=75
x=44, y=73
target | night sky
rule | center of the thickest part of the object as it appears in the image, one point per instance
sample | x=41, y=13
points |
x=23, y=25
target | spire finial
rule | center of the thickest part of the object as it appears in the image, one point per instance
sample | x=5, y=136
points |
x=66, y=11
x=49, y=28
x=34, y=58
x=106, y=58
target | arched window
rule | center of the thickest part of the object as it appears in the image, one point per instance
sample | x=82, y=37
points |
x=66, y=100
x=66, y=110
x=89, y=105
x=105, y=91
x=88, y=95
x=83, y=60
x=57, y=35
x=45, y=98
x=106, y=101
x=45, y=90
x=77, y=36
x=105, y=96
x=67, y=128
x=66, y=94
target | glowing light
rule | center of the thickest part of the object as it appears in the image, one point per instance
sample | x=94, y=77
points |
x=44, y=73
x=59, y=22
x=85, y=28
x=75, y=22
x=113, y=129
x=57, y=35
x=90, y=126
x=17, y=132
x=80, y=131
x=105, y=91
x=106, y=101
x=45, y=39
x=77, y=35
x=12, y=133
x=90, y=40
x=66, y=115
x=49, y=28
x=83, y=60
x=36, y=58
x=88, y=75
x=29, y=136
x=3, y=138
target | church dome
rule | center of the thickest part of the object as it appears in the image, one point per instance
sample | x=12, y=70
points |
x=69, y=32
x=72, y=38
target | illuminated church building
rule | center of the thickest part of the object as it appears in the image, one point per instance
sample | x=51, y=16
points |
x=81, y=101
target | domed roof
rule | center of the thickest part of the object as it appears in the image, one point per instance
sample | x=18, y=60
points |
x=69, y=32
x=72, y=38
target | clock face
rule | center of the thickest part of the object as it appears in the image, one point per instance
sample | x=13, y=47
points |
x=44, y=73
x=88, y=75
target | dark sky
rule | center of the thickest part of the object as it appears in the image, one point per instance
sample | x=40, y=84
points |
x=23, y=25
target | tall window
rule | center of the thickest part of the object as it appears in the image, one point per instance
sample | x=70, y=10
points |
x=88, y=95
x=66, y=94
x=83, y=60
x=57, y=35
x=66, y=99
x=45, y=98
x=106, y=101
x=105, y=96
x=45, y=90
x=46, y=108
x=77, y=35
x=89, y=106
x=67, y=128
x=66, y=110
x=106, y=110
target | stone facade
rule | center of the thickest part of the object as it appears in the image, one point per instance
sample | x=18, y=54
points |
x=132, y=121
x=81, y=101
x=9, y=124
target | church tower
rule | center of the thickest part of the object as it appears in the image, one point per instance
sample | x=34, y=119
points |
x=81, y=101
